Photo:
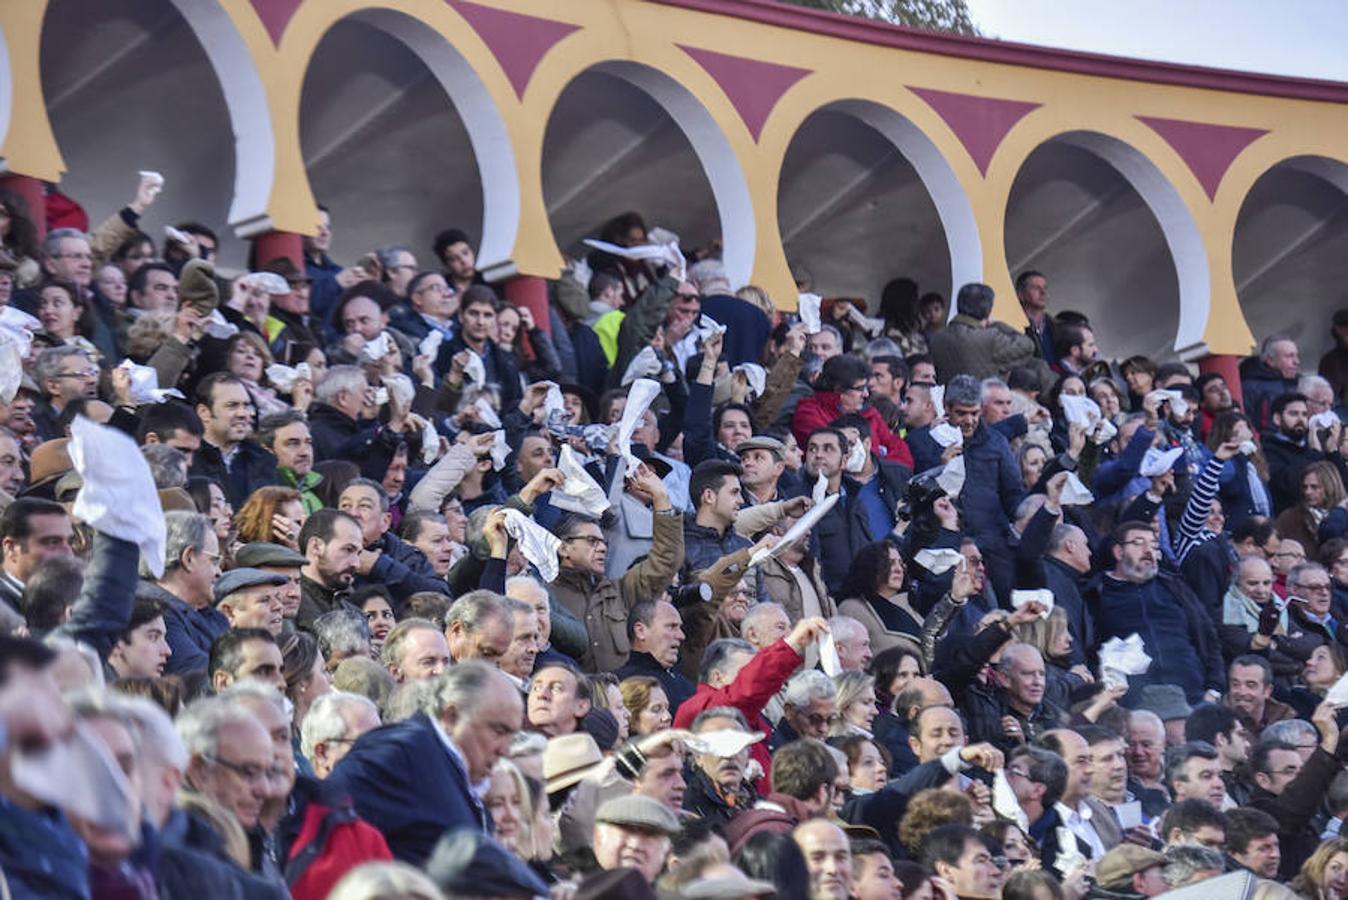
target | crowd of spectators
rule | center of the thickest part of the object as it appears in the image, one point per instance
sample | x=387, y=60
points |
x=358, y=581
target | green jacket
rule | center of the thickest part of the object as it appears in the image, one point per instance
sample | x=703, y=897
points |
x=306, y=488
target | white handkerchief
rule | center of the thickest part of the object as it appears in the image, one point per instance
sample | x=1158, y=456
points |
x=553, y=402
x=947, y=435
x=270, y=282
x=1042, y=596
x=19, y=327
x=1104, y=432
x=1338, y=692
x=220, y=328
x=722, y=744
x=1121, y=657
x=797, y=531
x=145, y=384
x=178, y=237
x=1079, y=410
x=828, y=656
x=118, y=497
x=1075, y=493
x=79, y=776
x=154, y=178
x=377, y=349
x=938, y=561
x=952, y=477
x=938, y=399
x=1004, y=802
x=430, y=442
x=538, y=545
x=640, y=251
x=646, y=364
x=639, y=398
x=871, y=326
x=709, y=327
x=486, y=413
x=1069, y=857
x=500, y=451
x=1326, y=419
x=430, y=344
x=664, y=236
x=400, y=389
x=856, y=458
x=809, y=312
x=283, y=378
x=1178, y=405
x=474, y=369
x=820, y=490
x=1130, y=814
x=1158, y=462
x=579, y=492
x=11, y=369
x=1247, y=448
x=755, y=375
x=380, y=396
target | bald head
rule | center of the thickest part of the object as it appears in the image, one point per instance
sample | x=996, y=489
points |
x=1254, y=578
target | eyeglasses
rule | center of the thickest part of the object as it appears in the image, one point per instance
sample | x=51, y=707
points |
x=1142, y=542
x=593, y=540
x=82, y=373
x=80, y=256
x=1314, y=588
x=1286, y=771
x=859, y=388
x=1019, y=773
x=248, y=772
x=819, y=720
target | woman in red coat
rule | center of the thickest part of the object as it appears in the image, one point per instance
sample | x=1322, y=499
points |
x=841, y=388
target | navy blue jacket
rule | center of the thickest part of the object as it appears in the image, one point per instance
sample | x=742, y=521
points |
x=405, y=783
x=747, y=327
x=365, y=443
x=676, y=687
x=251, y=469
x=100, y=614
x=190, y=632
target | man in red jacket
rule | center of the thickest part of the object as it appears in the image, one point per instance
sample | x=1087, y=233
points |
x=843, y=387
x=733, y=675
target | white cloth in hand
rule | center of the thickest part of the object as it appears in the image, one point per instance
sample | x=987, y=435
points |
x=377, y=349
x=475, y=369
x=1121, y=657
x=1042, y=596
x=938, y=561
x=952, y=477
x=145, y=384
x=118, y=497
x=579, y=492
x=755, y=375
x=809, y=312
x=220, y=328
x=1081, y=411
x=947, y=435
x=283, y=378
x=646, y=364
x=538, y=545
x=1075, y=493
x=1158, y=462
x=639, y=398
x=430, y=344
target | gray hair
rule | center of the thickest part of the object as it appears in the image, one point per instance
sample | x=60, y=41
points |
x=517, y=607
x=719, y=712
x=385, y=879
x=1301, y=570
x=710, y=277
x=758, y=611
x=991, y=384
x=342, y=632
x=168, y=465
x=717, y=655
x=882, y=346
x=463, y=687
x=1184, y=861
x=1148, y=716
x=1270, y=345
x=1061, y=534
x=525, y=584
x=184, y=530
x=200, y=723
x=975, y=301
x=388, y=256
x=51, y=244
x=476, y=608
x=394, y=640
x=963, y=390
x=372, y=485
x=157, y=743
x=338, y=379
x=845, y=626
x=324, y=722
x=1288, y=731
x=250, y=691
x=48, y=363
x=806, y=687
x=1308, y=383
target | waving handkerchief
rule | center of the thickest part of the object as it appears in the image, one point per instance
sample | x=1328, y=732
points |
x=722, y=744
x=952, y=477
x=1081, y=411
x=430, y=344
x=1104, y=432
x=639, y=251
x=1176, y=400
x=1004, y=802
x=947, y=435
x=380, y=396
x=486, y=413
x=11, y=369
x=639, y=398
x=1247, y=448
x=119, y=497
x=1121, y=657
x=1158, y=462
x=1326, y=419
x=938, y=399
x=808, y=310
x=709, y=327
x=1075, y=493
x=646, y=364
x=538, y=545
x=1042, y=596
x=218, y=327
x=152, y=178
x=178, y=237
x=19, y=327
x=500, y=451
x=283, y=378
x=377, y=349
x=755, y=375
x=553, y=402
x=828, y=656
x=400, y=388
x=474, y=369
x=430, y=442
x=145, y=384
x=1069, y=856
x=872, y=327
x=856, y=458
x=938, y=561
x=820, y=490
x=797, y=531
x=1338, y=692
x=580, y=272
x=579, y=492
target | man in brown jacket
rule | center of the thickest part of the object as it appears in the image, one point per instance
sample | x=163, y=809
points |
x=604, y=603
x=973, y=344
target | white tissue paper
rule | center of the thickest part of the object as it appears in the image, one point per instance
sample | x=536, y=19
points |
x=952, y=477
x=380, y=396
x=79, y=775
x=377, y=349
x=283, y=378
x=1158, y=462
x=871, y=326
x=430, y=442
x=1326, y=419
x=938, y=561
x=646, y=364
x=1042, y=596
x=218, y=327
x=1081, y=411
x=579, y=492
x=1075, y=493
x=709, y=328
x=538, y=545
x=1104, y=432
x=856, y=458
x=1176, y=400
x=828, y=656
x=1069, y=857
x=808, y=311
x=430, y=344
x=938, y=399
x=1121, y=657
x=270, y=282
x=1247, y=448
x=553, y=402
x=580, y=272
x=474, y=369
x=639, y=398
x=947, y=435
x=1004, y=802
x=19, y=327
x=797, y=531
x=154, y=178
x=1338, y=692
x=178, y=237
x=118, y=497
x=820, y=490
x=755, y=375
x=722, y=744
x=486, y=413
x=11, y=369
x=400, y=389
x=145, y=384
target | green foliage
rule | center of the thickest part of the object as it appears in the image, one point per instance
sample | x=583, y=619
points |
x=934, y=15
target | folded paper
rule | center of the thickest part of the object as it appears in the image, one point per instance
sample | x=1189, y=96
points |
x=145, y=384
x=809, y=312
x=639, y=398
x=938, y=561
x=118, y=497
x=538, y=545
x=1158, y=462
x=797, y=531
x=952, y=477
x=579, y=492
x=1042, y=596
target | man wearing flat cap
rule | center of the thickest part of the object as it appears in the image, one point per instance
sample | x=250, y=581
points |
x=1132, y=871
x=634, y=831
x=277, y=559
x=249, y=598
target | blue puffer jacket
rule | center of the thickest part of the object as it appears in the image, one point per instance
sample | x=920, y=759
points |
x=992, y=489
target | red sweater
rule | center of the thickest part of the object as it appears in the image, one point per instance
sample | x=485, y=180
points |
x=757, y=683
x=821, y=408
